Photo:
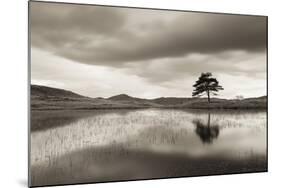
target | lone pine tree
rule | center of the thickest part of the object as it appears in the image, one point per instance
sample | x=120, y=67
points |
x=206, y=84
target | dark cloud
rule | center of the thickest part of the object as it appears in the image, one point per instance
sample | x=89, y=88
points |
x=161, y=53
x=57, y=27
x=114, y=36
x=234, y=63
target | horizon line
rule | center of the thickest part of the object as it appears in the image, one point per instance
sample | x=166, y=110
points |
x=215, y=97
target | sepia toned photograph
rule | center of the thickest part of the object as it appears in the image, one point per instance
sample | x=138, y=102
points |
x=122, y=93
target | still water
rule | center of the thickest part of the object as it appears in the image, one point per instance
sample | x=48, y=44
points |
x=109, y=145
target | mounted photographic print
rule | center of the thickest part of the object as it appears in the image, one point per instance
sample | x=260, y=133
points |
x=120, y=93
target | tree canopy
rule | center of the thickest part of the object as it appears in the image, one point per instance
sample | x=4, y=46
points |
x=206, y=84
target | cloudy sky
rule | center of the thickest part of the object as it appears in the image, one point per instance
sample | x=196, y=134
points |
x=103, y=51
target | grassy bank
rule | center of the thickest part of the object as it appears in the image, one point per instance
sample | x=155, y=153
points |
x=45, y=98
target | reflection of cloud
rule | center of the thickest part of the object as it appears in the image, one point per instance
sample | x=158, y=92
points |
x=116, y=163
x=146, y=144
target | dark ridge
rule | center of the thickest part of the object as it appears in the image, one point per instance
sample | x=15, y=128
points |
x=121, y=97
x=44, y=91
x=170, y=100
x=43, y=97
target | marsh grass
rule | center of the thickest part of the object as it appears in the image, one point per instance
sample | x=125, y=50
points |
x=106, y=145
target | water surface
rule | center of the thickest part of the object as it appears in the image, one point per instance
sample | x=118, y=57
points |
x=109, y=145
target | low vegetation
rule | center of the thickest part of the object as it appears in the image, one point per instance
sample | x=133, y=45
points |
x=46, y=98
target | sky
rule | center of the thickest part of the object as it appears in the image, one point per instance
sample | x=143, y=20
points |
x=100, y=51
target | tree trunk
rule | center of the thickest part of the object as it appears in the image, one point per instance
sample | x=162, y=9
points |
x=208, y=92
x=209, y=119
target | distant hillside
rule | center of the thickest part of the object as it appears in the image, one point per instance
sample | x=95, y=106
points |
x=47, y=98
x=44, y=91
x=126, y=99
x=122, y=97
x=171, y=100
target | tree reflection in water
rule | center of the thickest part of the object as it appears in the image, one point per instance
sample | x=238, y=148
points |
x=207, y=132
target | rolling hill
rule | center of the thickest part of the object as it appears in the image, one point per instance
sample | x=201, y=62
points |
x=44, y=91
x=48, y=98
x=122, y=97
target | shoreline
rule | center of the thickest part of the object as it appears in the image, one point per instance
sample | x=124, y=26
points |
x=140, y=108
